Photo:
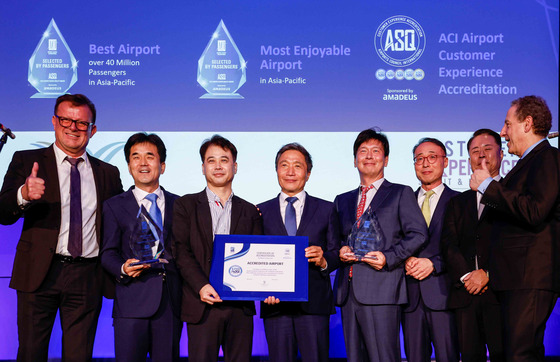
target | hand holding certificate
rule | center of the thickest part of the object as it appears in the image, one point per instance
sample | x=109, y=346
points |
x=250, y=267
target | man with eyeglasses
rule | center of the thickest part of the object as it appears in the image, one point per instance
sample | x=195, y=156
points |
x=426, y=319
x=59, y=191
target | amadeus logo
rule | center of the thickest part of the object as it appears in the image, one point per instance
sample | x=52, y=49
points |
x=400, y=41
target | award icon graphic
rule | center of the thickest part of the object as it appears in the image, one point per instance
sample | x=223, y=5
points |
x=221, y=68
x=53, y=69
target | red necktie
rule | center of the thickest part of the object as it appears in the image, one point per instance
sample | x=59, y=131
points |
x=359, y=212
x=362, y=204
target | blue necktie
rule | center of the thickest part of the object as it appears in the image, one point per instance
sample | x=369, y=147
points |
x=75, y=229
x=155, y=212
x=290, y=223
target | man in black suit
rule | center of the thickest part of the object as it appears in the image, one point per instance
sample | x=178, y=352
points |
x=289, y=325
x=426, y=319
x=59, y=191
x=211, y=322
x=525, y=209
x=465, y=244
x=148, y=301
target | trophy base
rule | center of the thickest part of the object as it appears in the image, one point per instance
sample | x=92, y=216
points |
x=152, y=261
x=222, y=96
x=46, y=95
x=360, y=257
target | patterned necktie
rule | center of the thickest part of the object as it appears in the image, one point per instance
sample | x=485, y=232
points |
x=426, y=207
x=155, y=212
x=362, y=204
x=75, y=230
x=359, y=212
x=290, y=222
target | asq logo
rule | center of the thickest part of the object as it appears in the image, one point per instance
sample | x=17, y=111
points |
x=400, y=41
x=235, y=270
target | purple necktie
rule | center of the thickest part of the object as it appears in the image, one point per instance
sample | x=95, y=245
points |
x=75, y=231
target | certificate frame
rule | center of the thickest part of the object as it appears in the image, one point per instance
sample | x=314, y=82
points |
x=300, y=280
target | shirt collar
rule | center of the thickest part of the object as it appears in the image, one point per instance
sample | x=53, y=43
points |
x=300, y=196
x=438, y=190
x=376, y=184
x=60, y=155
x=532, y=147
x=212, y=197
x=140, y=194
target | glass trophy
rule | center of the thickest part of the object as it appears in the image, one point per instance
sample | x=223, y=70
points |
x=221, y=68
x=366, y=235
x=143, y=240
x=52, y=67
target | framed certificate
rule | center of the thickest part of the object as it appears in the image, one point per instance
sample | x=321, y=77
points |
x=253, y=267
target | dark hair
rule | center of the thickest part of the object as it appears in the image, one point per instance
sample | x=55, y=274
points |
x=371, y=134
x=220, y=141
x=76, y=100
x=487, y=131
x=435, y=141
x=537, y=108
x=142, y=137
x=294, y=146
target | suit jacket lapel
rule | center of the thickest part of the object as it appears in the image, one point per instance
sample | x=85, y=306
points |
x=437, y=216
x=519, y=165
x=204, y=217
x=276, y=216
x=130, y=204
x=235, y=213
x=380, y=195
x=51, y=173
x=353, y=205
x=471, y=209
x=97, y=178
x=309, y=210
x=167, y=221
x=96, y=170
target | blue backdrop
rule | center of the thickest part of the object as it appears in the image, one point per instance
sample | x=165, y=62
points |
x=317, y=72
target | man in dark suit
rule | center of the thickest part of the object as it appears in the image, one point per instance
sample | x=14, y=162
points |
x=426, y=319
x=465, y=244
x=59, y=191
x=147, y=303
x=525, y=209
x=289, y=325
x=371, y=292
x=211, y=322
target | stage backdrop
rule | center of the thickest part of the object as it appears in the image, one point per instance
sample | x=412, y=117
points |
x=265, y=73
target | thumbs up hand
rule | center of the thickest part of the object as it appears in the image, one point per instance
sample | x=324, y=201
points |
x=34, y=186
x=479, y=175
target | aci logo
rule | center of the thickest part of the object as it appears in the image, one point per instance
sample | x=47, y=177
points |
x=400, y=41
x=235, y=270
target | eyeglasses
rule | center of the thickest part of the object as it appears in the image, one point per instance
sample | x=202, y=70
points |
x=419, y=160
x=67, y=122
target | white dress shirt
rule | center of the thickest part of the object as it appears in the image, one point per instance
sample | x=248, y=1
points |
x=298, y=206
x=434, y=199
x=371, y=193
